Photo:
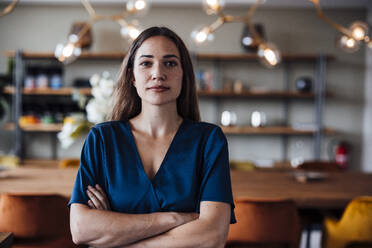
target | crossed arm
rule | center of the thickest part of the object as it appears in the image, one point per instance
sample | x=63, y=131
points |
x=96, y=225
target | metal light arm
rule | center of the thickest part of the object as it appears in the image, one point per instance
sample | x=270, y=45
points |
x=9, y=8
x=222, y=18
x=330, y=22
x=89, y=8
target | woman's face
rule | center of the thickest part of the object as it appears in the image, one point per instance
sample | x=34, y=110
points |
x=157, y=71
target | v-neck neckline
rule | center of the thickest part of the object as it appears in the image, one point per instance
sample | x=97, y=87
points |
x=140, y=164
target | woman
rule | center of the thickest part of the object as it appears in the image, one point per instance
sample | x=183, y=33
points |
x=154, y=176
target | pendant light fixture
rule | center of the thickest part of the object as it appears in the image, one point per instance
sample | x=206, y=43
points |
x=72, y=49
x=352, y=37
x=267, y=53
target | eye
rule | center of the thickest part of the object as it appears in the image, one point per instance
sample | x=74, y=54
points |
x=145, y=63
x=171, y=63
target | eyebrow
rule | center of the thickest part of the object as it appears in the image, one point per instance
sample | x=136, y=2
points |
x=165, y=56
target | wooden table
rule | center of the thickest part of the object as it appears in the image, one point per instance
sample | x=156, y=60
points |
x=334, y=192
x=38, y=179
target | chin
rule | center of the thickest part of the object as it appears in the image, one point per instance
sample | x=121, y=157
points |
x=161, y=101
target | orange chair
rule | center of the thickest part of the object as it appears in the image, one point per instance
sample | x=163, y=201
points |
x=36, y=220
x=265, y=223
x=354, y=229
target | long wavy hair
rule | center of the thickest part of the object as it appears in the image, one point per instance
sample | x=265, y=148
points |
x=127, y=103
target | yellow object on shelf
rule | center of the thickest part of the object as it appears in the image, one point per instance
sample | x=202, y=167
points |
x=66, y=163
x=354, y=226
x=9, y=161
x=242, y=165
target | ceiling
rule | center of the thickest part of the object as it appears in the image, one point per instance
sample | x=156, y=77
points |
x=266, y=3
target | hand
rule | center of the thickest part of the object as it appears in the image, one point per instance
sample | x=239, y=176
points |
x=97, y=198
x=187, y=217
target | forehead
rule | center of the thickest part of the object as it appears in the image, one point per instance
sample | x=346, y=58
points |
x=157, y=46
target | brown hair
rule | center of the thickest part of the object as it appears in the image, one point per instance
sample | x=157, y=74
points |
x=127, y=103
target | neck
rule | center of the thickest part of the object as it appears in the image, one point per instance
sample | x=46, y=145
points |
x=157, y=120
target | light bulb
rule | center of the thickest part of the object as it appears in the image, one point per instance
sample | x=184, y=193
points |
x=200, y=36
x=369, y=44
x=67, y=53
x=247, y=41
x=358, y=30
x=348, y=44
x=213, y=6
x=68, y=50
x=139, y=7
x=269, y=54
x=130, y=31
x=73, y=38
x=226, y=118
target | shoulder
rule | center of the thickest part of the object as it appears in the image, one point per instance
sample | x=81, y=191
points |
x=205, y=129
x=201, y=125
x=108, y=129
x=108, y=125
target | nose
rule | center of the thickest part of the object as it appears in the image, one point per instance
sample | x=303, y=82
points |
x=158, y=73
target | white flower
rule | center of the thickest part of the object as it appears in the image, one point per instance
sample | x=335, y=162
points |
x=94, y=80
x=97, y=109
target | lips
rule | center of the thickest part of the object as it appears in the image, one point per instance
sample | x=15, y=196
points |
x=158, y=88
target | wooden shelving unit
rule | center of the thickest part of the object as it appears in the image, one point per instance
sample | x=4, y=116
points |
x=85, y=55
x=236, y=130
x=49, y=91
x=110, y=55
x=55, y=127
x=218, y=62
x=256, y=94
x=216, y=93
x=254, y=57
x=269, y=130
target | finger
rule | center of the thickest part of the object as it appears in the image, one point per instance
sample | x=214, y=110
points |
x=90, y=204
x=94, y=199
x=99, y=196
x=105, y=200
x=101, y=190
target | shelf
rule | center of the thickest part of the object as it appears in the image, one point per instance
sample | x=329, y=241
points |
x=280, y=130
x=257, y=94
x=201, y=56
x=57, y=127
x=49, y=91
x=85, y=55
x=218, y=93
x=254, y=57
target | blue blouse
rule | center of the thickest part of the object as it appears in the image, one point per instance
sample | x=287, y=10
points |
x=195, y=168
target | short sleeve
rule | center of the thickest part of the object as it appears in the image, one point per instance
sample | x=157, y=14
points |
x=90, y=165
x=216, y=181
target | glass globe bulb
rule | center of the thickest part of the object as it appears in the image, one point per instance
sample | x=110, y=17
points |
x=67, y=53
x=139, y=7
x=213, y=6
x=130, y=31
x=358, y=30
x=348, y=44
x=269, y=54
x=201, y=35
x=369, y=44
